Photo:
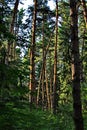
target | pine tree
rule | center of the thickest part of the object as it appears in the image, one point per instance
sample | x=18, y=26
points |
x=55, y=63
x=32, y=86
x=77, y=105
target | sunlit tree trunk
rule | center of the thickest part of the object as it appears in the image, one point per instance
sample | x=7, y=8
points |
x=55, y=63
x=42, y=79
x=77, y=106
x=32, y=85
x=43, y=64
x=11, y=44
x=38, y=91
x=39, y=96
x=47, y=91
x=51, y=90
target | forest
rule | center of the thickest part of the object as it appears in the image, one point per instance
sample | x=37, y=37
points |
x=43, y=65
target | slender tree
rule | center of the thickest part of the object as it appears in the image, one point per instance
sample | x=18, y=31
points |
x=77, y=106
x=45, y=17
x=11, y=44
x=55, y=63
x=44, y=64
x=84, y=11
x=32, y=57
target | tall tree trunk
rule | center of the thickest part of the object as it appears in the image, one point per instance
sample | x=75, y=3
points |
x=82, y=55
x=32, y=84
x=40, y=87
x=77, y=106
x=43, y=65
x=10, y=45
x=84, y=11
x=39, y=101
x=55, y=63
x=51, y=87
x=47, y=91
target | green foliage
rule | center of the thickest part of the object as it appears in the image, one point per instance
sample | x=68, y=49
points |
x=20, y=117
x=12, y=97
x=15, y=112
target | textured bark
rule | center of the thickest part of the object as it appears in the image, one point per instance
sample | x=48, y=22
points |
x=32, y=85
x=77, y=106
x=55, y=63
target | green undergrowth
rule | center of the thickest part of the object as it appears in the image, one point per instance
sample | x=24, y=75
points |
x=18, y=116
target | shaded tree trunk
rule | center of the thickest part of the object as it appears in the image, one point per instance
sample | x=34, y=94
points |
x=11, y=44
x=55, y=63
x=32, y=86
x=77, y=106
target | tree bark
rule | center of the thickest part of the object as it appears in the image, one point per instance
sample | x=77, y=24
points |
x=39, y=89
x=47, y=91
x=41, y=79
x=77, y=106
x=55, y=63
x=32, y=86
